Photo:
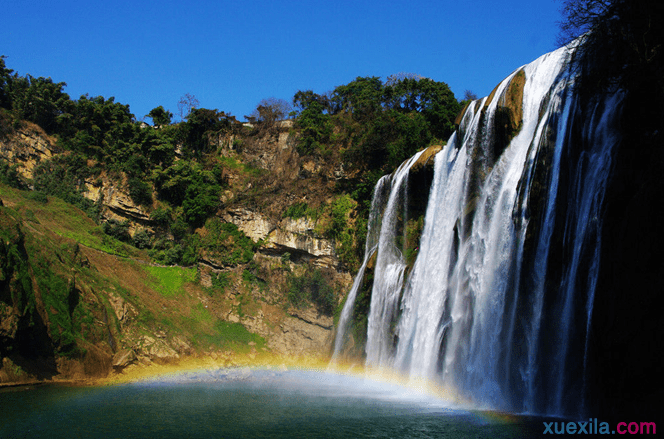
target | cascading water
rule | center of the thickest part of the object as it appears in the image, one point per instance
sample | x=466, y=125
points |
x=380, y=194
x=389, y=272
x=498, y=302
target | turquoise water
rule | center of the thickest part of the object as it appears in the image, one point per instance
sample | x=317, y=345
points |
x=245, y=404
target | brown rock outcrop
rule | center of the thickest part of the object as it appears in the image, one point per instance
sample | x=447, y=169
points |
x=26, y=148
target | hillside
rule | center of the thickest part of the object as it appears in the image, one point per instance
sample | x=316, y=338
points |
x=127, y=243
x=79, y=300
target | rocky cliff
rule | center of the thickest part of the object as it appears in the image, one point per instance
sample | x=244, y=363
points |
x=114, y=310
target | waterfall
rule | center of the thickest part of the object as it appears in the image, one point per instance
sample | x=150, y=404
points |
x=498, y=302
x=389, y=270
x=380, y=194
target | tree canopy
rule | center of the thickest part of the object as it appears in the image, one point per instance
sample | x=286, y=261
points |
x=379, y=123
x=160, y=116
x=369, y=125
x=612, y=30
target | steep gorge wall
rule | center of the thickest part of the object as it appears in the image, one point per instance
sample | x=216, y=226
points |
x=286, y=247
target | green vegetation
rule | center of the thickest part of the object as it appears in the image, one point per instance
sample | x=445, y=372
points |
x=10, y=177
x=160, y=116
x=67, y=221
x=62, y=177
x=300, y=210
x=180, y=176
x=235, y=336
x=207, y=331
x=32, y=277
x=313, y=286
x=227, y=243
x=220, y=281
x=175, y=173
x=40, y=270
x=169, y=281
x=99, y=135
x=375, y=124
x=237, y=333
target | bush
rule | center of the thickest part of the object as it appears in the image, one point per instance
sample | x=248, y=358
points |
x=117, y=230
x=140, y=192
x=38, y=196
x=141, y=239
x=167, y=253
x=161, y=216
x=9, y=176
x=300, y=210
x=62, y=177
x=312, y=287
x=221, y=281
x=229, y=244
x=341, y=208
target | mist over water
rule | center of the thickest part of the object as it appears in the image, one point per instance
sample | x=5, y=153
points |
x=244, y=404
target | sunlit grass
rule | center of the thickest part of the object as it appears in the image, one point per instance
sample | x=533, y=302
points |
x=65, y=220
x=170, y=281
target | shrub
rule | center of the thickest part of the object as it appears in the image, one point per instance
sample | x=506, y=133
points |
x=62, y=177
x=300, y=210
x=341, y=208
x=161, y=216
x=9, y=176
x=229, y=244
x=141, y=239
x=221, y=281
x=140, y=192
x=313, y=287
x=38, y=196
x=118, y=230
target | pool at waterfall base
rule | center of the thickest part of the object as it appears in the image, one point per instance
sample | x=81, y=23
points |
x=248, y=403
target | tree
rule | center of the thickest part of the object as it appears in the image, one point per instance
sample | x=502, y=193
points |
x=39, y=100
x=5, y=79
x=304, y=99
x=580, y=17
x=397, y=77
x=100, y=127
x=315, y=128
x=468, y=95
x=160, y=116
x=200, y=125
x=433, y=99
x=268, y=112
x=620, y=42
x=362, y=97
x=187, y=103
x=271, y=110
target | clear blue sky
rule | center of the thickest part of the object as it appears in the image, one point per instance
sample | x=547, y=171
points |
x=230, y=55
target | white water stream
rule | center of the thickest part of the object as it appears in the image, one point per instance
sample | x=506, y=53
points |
x=508, y=332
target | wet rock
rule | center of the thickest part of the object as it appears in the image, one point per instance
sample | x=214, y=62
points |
x=312, y=317
x=123, y=358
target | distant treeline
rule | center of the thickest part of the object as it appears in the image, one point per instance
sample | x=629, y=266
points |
x=374, y=125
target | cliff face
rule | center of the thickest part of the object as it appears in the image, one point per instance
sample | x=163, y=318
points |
x=113, y=310
x=26, y=148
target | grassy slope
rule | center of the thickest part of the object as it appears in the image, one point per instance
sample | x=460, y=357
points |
x=64, y=246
